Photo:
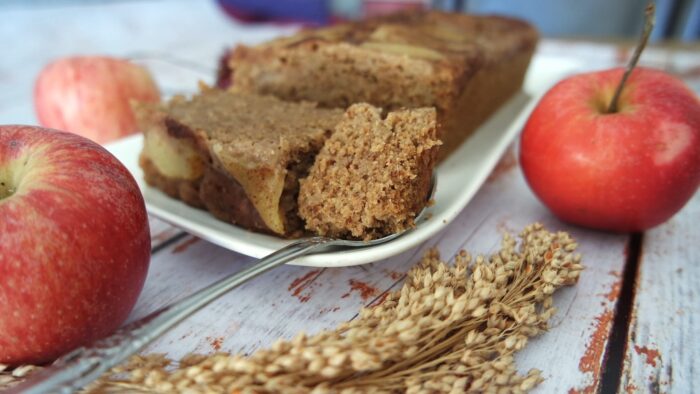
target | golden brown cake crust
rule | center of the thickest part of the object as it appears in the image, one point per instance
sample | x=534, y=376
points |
x=372, y=177
x=405, y=60
x=253, y=130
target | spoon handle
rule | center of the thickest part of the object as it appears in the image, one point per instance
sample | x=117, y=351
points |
x=83, y=365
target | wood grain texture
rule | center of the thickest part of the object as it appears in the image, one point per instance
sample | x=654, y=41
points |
x=663, y=352
x=161, y=232
x=291, y=299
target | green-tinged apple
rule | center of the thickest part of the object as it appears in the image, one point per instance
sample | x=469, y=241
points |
x=623, y=170
x=74, y=243
x=90, y=96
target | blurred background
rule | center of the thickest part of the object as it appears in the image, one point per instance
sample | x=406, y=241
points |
x=182, y=42
x=676, y=19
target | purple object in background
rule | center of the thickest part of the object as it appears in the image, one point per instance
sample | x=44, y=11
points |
x=312, y=12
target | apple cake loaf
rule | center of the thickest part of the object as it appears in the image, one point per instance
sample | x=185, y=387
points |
x=373, y=175
x=238, y=155
x=465, y=66
x=242, y=156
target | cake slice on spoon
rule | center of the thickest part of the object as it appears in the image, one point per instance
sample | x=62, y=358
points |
x=373, y=175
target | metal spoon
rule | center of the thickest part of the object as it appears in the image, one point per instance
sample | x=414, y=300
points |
x=83, y=365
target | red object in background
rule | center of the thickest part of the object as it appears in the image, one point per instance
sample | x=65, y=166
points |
x=382, y=7
x=623, y=171
x=90, y=96
x=74, y=243
x=224, y=75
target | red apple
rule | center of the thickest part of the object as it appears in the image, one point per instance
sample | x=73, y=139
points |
x=624, y=171
x=90, y=96
x=74, y=243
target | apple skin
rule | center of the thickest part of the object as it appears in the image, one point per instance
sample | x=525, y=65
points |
x=625, y=171
x=90, y=96
x=74, y=243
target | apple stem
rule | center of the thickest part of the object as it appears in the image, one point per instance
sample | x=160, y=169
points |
x=646, y=32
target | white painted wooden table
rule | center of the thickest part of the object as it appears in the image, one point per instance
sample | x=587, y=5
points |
x=630, y=324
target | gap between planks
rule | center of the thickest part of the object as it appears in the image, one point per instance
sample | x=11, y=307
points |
x=163, y=234
x=613, y=358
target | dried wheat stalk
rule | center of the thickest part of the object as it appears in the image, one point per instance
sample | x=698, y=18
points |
x=451, y=328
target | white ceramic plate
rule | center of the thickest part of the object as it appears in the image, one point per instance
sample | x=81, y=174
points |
x=458, y=180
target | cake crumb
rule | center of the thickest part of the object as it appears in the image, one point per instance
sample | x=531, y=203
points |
x=373, y=175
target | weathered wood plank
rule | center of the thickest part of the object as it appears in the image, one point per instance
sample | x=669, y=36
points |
x=663, y=352
x=291, y=299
